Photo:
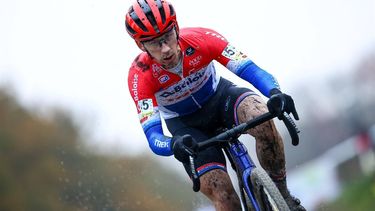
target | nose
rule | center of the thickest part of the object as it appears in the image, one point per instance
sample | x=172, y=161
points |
x=165, y=47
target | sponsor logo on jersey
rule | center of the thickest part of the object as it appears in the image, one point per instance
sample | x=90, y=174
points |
x=163, y=79
x=181, y=86
x=215, y=35
x=161, y=144
x=135, y=87
x=189, y=51
x=156, y=69
x=194, y=62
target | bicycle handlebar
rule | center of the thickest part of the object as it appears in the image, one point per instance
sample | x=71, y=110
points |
x=237, y=130
x=292, y=128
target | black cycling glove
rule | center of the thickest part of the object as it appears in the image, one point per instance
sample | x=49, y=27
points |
x=280, y=103
x=182, y=145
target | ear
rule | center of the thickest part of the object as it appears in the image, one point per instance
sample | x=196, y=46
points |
x=140, y=45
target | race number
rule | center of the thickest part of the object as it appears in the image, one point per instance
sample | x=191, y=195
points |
x=146, y=107
x=232, y=53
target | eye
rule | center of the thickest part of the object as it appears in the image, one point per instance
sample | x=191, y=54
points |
x=155, y=43
x=168, y=36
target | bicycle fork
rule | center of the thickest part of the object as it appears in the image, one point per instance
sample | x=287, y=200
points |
x=243, y=165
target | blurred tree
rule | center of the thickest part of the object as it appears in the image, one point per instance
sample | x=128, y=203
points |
x=43, y=167
x=333, y=110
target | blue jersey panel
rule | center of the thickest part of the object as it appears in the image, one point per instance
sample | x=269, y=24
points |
x=258, y=77
x=159, y=143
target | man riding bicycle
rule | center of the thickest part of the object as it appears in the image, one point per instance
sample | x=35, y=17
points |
x=174, y=78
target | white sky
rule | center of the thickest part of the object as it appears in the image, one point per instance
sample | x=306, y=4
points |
x=76, y=53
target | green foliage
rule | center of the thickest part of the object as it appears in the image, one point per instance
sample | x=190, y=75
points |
x=359, y=195
x=43, y=167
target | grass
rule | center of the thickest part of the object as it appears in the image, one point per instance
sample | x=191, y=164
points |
x=358, y=195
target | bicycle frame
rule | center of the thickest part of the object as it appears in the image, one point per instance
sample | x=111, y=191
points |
x=241, y=160
x=237, y=152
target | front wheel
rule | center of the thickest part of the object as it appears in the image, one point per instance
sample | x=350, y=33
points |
x=266, y=192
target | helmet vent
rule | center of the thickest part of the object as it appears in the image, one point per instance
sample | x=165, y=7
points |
x=161, y=11
x=150, y=16
x=136, y=19
x=129, y=28
x=147, y=19
x=172, y=10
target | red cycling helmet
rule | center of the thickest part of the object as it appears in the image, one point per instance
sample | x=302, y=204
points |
x=147, y=19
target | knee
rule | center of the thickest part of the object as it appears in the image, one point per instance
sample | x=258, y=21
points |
x=250, y=107
x=217, y=186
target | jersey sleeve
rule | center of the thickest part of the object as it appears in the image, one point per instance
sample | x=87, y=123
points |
x=148, y=112
x=238, y=63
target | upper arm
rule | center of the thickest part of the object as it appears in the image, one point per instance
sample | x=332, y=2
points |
x=143, y=96
x=238, y=62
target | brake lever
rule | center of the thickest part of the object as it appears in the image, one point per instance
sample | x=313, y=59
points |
x=195, y=177
x=190, y=152
x=292, y=128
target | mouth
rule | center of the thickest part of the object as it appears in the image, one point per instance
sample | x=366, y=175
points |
x=169, y=58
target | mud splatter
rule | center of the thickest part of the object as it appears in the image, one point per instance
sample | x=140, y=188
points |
x=217, y=186
x=269, y=144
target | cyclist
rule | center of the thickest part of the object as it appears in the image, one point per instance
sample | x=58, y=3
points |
x=174, y=78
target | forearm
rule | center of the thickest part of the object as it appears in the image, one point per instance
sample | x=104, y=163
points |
x=158, y=142
x=259, y=78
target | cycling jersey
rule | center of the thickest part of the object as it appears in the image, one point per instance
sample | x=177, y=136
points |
x=158, y=91
x=218, y=113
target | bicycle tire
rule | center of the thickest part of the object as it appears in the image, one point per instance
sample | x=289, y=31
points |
x=266, y=191
x=247, y=202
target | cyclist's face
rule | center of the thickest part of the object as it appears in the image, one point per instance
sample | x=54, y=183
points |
x=164, y=49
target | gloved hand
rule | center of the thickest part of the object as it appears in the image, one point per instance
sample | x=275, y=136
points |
x=280, y=102
x=182, y=146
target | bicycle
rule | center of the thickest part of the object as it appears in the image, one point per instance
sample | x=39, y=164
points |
x=257, y=190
